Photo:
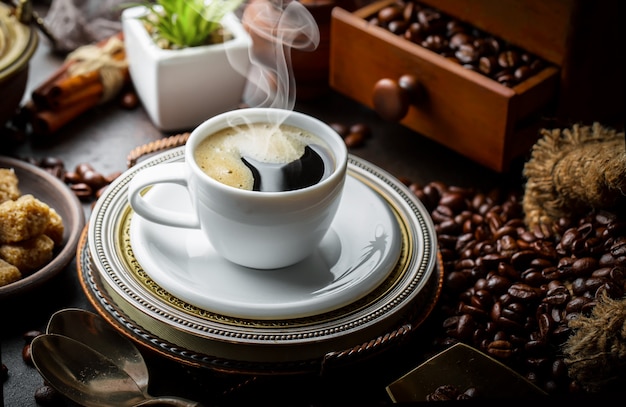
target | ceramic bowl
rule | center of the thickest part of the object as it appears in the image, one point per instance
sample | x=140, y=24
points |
x=52, y=191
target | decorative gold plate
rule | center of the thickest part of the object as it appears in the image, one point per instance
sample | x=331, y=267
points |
x=126, y=296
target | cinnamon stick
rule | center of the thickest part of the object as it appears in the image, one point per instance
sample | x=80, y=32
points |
x=46, y=122
x=39, y=94
x=72, y=84
x=63, y=97
x=60, y=82
x=79, y=95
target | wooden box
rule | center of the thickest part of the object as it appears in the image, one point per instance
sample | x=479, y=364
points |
x=464, y=110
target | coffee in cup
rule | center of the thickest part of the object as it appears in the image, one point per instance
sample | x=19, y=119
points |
x=265, y=157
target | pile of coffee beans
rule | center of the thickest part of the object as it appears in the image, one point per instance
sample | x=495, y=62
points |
x=458, y=41
x=510, y=291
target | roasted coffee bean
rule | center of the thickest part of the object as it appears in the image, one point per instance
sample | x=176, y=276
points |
x=27, y=355
x=522, y=72
x=359, y=128
x=500, y=349
x=575, y=304
x=447, y=227
x=415, y=33
x=454, y=201
x=409, y=13
x=436, y=43
x=524, y=292
x=487, y=65
x=557, y=296
x=354, y=140
x=129, y=100
x=465, y=326
x=505, y=77
x=459, y=39
x=467, y=53
x=94, y=179
x=46, y=395
x=545, y=324
x=592, y=284
x=82, y=168
x=72, y=177
x=82, y=190
x=509, y=59
x=432, y=19
x=498, y=284
x=398, y=26
x=618, y=248
x=389, y=13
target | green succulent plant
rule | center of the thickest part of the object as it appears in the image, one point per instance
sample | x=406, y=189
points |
x=187, y=23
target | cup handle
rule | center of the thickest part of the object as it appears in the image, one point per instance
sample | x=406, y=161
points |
x=173, y=173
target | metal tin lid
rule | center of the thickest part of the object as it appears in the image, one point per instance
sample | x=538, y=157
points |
x=18, y=42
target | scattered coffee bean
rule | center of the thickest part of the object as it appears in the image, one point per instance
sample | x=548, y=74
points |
x=82, y=191
x=27, y=356
x=354, y=135
x=354, y=140
x=47, y=395
x=129, y=100
x=4, y=373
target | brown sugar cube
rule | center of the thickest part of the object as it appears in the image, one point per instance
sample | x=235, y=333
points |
x=28, y=255
x=8, y=273
x=55, y=228
x=23, y=219
x=9, y=189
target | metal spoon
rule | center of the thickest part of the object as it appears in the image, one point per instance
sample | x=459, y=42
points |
x=88, y=378
x=92, y=330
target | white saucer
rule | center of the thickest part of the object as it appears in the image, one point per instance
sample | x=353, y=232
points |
x=356, y=255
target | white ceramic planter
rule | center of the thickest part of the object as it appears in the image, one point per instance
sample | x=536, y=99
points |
x=182, y=88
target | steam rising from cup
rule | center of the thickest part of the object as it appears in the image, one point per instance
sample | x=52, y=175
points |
x=276, y=27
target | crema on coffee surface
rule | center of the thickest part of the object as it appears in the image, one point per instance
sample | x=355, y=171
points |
x=264, y=157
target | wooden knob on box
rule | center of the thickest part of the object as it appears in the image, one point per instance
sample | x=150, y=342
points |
x=392, y=98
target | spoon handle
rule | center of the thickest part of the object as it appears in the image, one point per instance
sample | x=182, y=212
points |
x=169, y=401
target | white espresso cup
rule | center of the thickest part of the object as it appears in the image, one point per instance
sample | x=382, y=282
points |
x=277, y=226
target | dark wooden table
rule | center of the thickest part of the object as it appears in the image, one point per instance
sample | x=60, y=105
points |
x=104, y=137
